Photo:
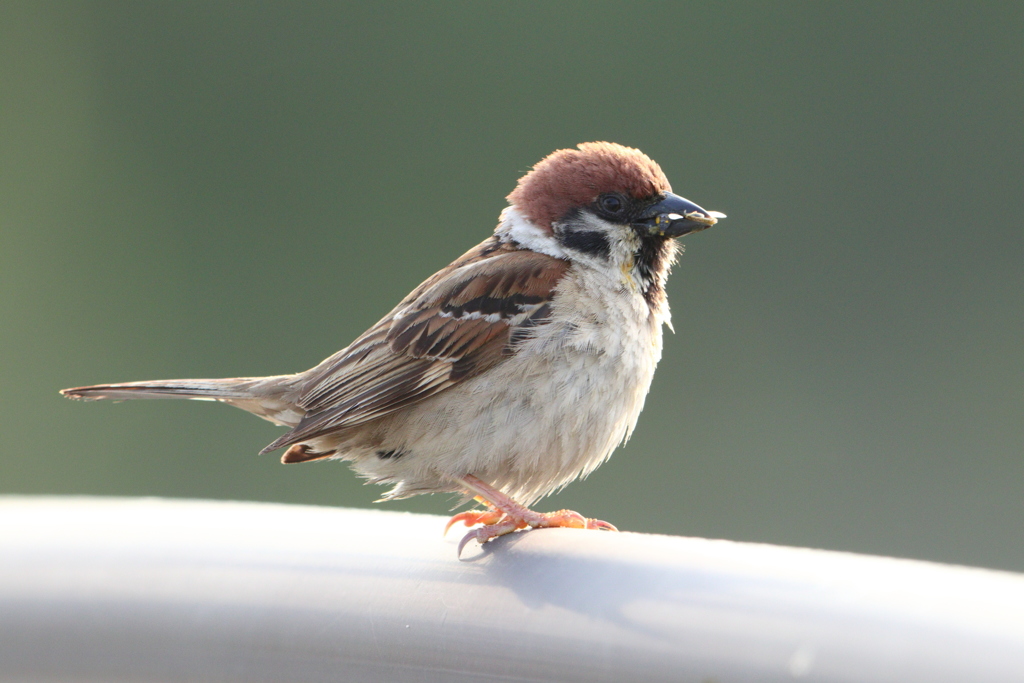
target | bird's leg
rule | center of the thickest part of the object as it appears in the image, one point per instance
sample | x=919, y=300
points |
x=506, y=515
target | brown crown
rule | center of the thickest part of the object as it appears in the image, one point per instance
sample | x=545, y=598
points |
x=569, y=178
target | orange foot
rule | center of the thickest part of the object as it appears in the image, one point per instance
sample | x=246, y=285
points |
x=505, y=516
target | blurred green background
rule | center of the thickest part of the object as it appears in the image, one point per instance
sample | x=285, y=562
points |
x=218, y=189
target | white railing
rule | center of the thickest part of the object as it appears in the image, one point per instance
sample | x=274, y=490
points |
x=96, y=589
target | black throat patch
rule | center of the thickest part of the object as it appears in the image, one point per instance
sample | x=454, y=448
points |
x=652, y=261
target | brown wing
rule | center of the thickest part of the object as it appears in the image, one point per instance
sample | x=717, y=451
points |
x=455, y=325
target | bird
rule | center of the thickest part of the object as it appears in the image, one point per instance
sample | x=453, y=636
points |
x=511, y=372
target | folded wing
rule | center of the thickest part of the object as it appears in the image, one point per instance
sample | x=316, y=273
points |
x=462, y=321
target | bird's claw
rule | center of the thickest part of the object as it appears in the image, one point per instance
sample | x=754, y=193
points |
x=506, y=525
x=471, y=517
x=600, y=525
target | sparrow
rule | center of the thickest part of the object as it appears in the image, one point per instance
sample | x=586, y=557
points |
x=513, y=371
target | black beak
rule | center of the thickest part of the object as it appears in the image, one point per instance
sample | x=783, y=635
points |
x=674, y=216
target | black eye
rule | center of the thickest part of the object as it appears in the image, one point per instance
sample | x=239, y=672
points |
x=611, y=203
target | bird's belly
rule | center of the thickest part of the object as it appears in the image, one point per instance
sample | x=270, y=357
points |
x=551, y=413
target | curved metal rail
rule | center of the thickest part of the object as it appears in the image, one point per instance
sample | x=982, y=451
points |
x=158, y=590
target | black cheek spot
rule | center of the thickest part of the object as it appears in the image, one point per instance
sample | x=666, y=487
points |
x=588, y=242
x=393, y=454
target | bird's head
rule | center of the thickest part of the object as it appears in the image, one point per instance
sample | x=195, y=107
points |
x=603, y=204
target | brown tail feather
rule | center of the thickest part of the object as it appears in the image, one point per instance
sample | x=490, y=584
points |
x=210, y=389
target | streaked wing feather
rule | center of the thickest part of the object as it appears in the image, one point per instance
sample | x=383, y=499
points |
x=454, y=326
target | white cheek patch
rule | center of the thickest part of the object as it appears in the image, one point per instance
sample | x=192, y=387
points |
x=514, y=227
